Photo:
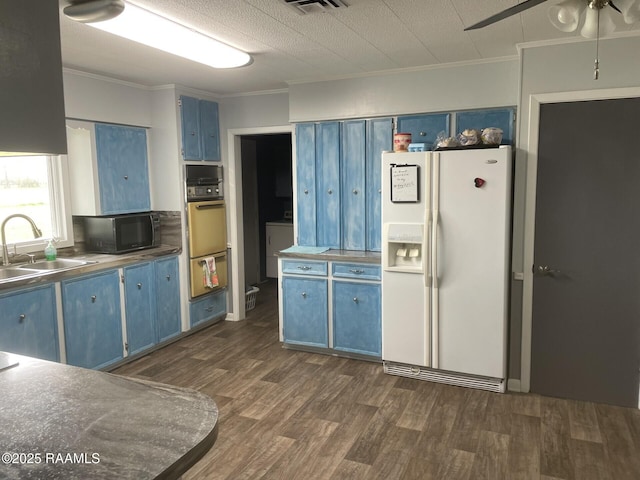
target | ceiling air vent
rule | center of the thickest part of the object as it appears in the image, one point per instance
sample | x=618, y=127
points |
x=312, y=6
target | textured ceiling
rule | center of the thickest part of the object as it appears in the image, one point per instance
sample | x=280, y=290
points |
x=367, y=36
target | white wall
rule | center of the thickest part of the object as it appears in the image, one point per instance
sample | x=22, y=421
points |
x=436, y=89
x=97, y=98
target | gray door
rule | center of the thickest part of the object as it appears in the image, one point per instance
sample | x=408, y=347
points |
x=586, y=290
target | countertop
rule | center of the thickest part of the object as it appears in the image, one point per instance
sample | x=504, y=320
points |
x=335, y=255
x=100, y=261
x=73, y=423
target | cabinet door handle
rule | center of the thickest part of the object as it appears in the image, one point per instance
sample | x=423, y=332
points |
x=126, y=177
x=357, y=271
x=193, y=134
x=22, y=317
x=209, y=309
x=423, y=134
x=304, y=294
x=355, y=299
x=139, y=286
x=93, y=299
x=168, y=277
x=306, y=192
x=304, y=267
x=329, y=191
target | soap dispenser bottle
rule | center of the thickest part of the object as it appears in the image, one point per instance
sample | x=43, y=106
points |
x=50, y=251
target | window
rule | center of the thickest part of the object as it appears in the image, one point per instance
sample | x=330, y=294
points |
x=34, y=186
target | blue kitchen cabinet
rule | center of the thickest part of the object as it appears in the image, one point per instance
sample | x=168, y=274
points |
x=123, y=173
x=208, y=307
x=503, y=118
x=306, y=183
x=305, y=310
x=92, y=319
x=425, y=128
x=167, y=289
x=379, y=139
x=357, y=318
x=210, y=130
x=328, y=184
x=200, y=128
x=139, y=299
x=28, y=323
x=353, y=205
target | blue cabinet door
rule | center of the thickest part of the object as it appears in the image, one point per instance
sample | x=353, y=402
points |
x=140, y=311
x=379, y=139
x=305, y=311
x=28, y=323
x=356, y=318
x=208, y=307
x=354, y=196
x=328, y=184
x=425, y=128
x=209, y=130
x=503, y=118
x=306, y=183
x=92, y=320
x=122, y=169
x=190, y=125
x=167, y=298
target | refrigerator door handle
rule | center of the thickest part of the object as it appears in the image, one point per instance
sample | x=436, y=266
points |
x=435, y=321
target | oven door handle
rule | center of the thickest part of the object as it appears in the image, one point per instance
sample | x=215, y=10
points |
x=205, y=206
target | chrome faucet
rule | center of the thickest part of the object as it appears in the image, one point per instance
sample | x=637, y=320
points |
x=36, y=233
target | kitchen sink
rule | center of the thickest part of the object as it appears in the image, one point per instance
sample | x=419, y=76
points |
x=59, y=264
x=13, y=272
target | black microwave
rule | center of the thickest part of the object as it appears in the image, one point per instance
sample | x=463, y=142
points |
x=121, y=233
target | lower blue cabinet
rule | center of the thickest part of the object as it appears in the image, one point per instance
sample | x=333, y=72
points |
x=357, y=318
x=305, y=311
x=139, y=307
x=208, y=307
x=92, y=319
x=28, y=323
x=167, y=283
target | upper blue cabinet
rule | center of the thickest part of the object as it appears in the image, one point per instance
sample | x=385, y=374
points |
x=425, y=128
x=200, y=126
x=109, y=171
x=503, y=118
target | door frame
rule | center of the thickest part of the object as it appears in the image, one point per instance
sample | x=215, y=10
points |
x=234, y=204
x=535, y=100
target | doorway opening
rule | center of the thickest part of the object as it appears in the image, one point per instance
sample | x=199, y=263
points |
x=267, y=201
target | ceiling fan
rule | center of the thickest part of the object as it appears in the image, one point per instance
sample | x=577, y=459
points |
x=565, y=16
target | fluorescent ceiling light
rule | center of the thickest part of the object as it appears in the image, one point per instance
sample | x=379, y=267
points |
x=153, y=30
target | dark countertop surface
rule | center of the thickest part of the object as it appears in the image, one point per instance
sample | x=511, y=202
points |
x=100, y=261
x=334, y=255
x=65, y=422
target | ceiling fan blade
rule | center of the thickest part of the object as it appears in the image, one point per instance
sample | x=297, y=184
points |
x=614, y=7
x=521, y=7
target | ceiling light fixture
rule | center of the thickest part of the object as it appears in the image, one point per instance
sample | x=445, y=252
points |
x=143, y=26
x=566, y=17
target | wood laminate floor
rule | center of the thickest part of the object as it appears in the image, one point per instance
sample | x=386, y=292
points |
x=294, y=415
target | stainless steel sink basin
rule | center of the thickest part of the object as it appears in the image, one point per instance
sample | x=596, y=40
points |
x=13, y=272
x=59, y=264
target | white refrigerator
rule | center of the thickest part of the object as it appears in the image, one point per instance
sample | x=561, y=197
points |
x=446, y=222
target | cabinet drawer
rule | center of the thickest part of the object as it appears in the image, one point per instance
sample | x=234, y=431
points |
x=302, y=267
x=208, y=308
x=356, y=270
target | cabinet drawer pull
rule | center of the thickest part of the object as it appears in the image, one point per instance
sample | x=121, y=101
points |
x=22, y=317
x=209, y=309
x=304, y=294
x=139, y=286
x=126, y=177
x=356, y=271
x=93, y=299
x=304, y=267
x=355, y=299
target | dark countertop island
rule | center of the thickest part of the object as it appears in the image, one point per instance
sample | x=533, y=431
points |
x=63, y=422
